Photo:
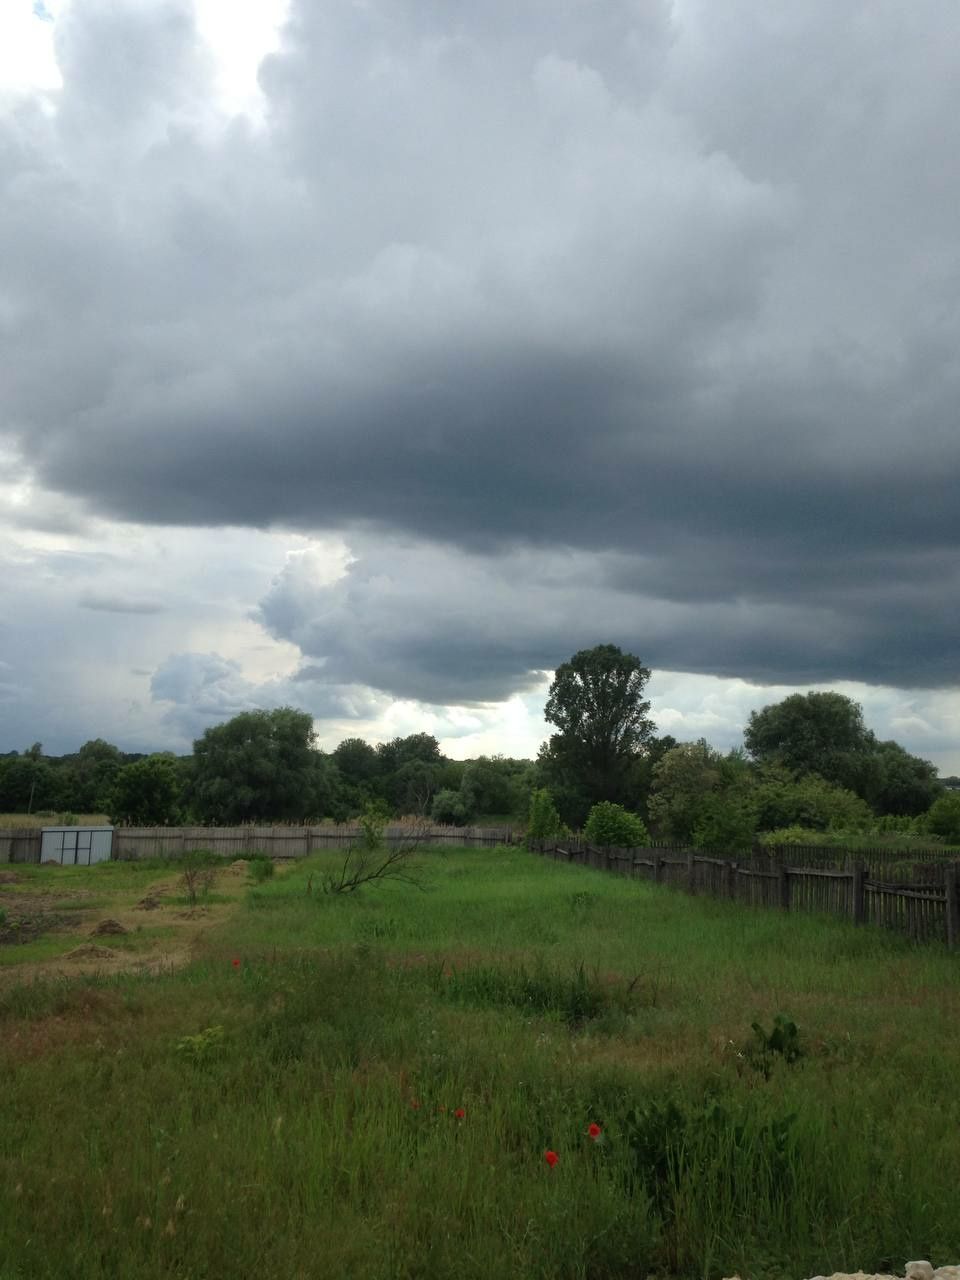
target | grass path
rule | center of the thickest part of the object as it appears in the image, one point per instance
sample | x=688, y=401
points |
x=286, y=1104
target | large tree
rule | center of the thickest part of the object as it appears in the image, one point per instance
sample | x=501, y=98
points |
x=147, y=793
x=596, y=702
x=824, y=733
x=262, y=765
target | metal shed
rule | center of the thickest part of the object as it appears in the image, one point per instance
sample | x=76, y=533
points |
x=76, y=846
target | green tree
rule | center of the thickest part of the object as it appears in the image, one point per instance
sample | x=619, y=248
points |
x=726, y=821
x=496, y=785
x=596, y=703
x=817, y=732
x=262, y=765
x=87, y=778
x=899, y=783
x=28, y=783
x=448, y=808
x=682, y=780
x=543, y=821
x=147, y=793
x=809, y=801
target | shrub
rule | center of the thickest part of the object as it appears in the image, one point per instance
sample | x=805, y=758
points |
x=611, y=824
x=782, y=1043
x=261, y=868
x=727, y=821
x=544, y=821
x=801, y=836
x=943, y=818
x=449, y=808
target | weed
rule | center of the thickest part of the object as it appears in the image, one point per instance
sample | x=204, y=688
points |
x=781, y=1044
x=203, y=1047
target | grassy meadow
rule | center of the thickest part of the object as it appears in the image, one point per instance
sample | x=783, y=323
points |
x=366, y=1086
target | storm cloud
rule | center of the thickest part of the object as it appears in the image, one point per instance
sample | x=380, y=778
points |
x=630, y=321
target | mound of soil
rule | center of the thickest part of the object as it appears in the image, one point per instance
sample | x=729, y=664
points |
x=149, y=903
x=108, y=926
x=90, y=951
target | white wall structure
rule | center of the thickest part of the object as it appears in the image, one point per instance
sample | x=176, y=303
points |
x=76, y=846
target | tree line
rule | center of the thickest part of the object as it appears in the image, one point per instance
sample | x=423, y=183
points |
x=809, y=767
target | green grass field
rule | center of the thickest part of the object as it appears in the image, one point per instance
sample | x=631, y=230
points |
x=287, y=1105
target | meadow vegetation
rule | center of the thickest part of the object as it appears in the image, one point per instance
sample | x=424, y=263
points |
x=368, y=1085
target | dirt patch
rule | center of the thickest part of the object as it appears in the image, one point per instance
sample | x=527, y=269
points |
x=108, y=927
x=8, y=877
x=90, y=951
x=25, y=923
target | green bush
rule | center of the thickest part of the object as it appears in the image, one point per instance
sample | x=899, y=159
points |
x=544, y=821
x=611, y=824
x=801, y=835
x=449, y=808
x=727, y=821
x=261, y=868
x=943, y=818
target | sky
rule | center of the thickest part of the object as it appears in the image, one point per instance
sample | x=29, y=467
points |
x=375, y=356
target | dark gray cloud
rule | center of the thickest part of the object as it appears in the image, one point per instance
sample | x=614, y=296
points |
x=633, y=321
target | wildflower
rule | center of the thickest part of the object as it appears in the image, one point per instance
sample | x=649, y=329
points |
x=415, y=1104
x=460, y=1113
x=551, y=1158
x=235, y=962
x=594, y=1132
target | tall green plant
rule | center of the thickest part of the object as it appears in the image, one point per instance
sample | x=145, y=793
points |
x=543, y=822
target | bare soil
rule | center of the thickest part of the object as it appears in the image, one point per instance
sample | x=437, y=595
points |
x=29, y=916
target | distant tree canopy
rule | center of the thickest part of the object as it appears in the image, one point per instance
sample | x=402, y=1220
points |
x=596, y=703
x=824, y=733
x=813, y=769
x=149, y=792
x=261, y=765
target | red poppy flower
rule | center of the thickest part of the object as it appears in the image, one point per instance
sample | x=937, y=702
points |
x=235, y=962
x=551, y=1158
x=594, y=1131
x=460, y=1113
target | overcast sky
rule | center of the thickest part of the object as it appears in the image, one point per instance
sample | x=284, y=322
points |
x=373, y=356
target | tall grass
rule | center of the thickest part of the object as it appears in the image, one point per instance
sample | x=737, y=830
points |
x=287, y=1105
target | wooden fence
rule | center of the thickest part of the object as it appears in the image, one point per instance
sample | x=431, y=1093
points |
x=925, y=911
x=23, y=845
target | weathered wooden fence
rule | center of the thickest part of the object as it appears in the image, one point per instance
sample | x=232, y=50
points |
x=23, y=845
x=20, y=844
x=926, y=910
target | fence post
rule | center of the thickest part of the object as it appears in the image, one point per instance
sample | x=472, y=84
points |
x=657, y=868
x=953, y=908
x=691, y=873
x=730, y=879
x=783, y=883
x=858, y=893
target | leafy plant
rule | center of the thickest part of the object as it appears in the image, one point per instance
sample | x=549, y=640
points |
x=448, y=808
x=203, y=1047
x=261, y=868
x=782, y=1043
x=543, y=822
